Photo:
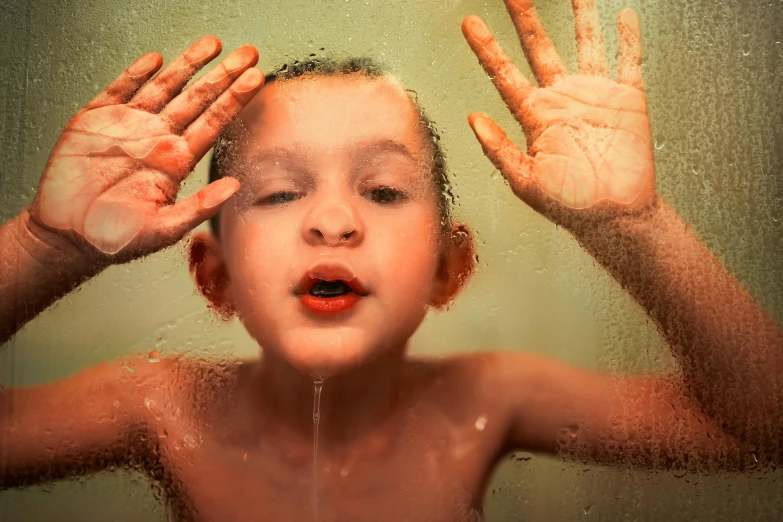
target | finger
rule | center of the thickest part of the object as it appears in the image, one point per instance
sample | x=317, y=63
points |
x=589, y=40
x=157, y=93
x=126, y=84
x=515, y=165
x=203, y=132
x=539, y=50
x=190, y=104
x=509, y=81
x=629, y=71
x=174, y=221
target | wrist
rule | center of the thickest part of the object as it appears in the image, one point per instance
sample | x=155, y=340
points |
x=607, y=223
x=55, y=249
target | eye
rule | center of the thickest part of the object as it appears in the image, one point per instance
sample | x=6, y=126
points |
x=278, y=198
x=386, y=195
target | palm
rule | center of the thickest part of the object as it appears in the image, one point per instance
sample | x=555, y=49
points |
x=110, y=172
x=589, y=138
x=113, y=176
x=590, y=142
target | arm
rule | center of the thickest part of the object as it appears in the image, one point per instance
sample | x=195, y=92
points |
x=77, y=425
x=729, y=350
x=37, y=267
x=589, y=168
x=107, y=195
x=621, y=420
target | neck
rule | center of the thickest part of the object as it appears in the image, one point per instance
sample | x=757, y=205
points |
x=352, y=404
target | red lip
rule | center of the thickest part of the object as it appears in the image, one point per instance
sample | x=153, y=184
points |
x=329, y=305
x=330, y=271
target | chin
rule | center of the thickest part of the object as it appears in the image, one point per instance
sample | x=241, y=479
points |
x=326, y=351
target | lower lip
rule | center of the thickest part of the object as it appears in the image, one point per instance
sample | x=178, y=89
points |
x=330, y=305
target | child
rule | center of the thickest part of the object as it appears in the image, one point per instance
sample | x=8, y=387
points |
x=335, y=243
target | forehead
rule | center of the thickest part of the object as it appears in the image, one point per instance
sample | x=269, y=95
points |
x=328, y=114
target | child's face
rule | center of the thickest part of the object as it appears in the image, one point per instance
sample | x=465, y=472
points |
x=336, y=184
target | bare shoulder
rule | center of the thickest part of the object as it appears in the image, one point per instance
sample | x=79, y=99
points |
x=481, y=378
x=118, y=382
x=190, y=389
x=139, y=387
x=134, y=378
x=472, y=398
x=482, y=368
x=497, y=380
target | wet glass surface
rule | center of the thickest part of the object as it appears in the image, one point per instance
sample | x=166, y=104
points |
x=713, y=78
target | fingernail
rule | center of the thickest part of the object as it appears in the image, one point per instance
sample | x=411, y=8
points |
x=483, y=129
x=238, y=59
x=203, y=49
x=235, y=61
x=216, y=196
x=249, y=80
x=143, y=65
x=628, y=18
x=472, y=24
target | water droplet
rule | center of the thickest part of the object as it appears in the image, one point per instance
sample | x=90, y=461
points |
x=522, y=456
x=481, y=423
x=190, y=441
x=660, y=142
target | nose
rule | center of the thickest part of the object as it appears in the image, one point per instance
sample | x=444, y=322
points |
x=333, y=223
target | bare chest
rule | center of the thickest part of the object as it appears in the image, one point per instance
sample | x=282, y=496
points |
x=431, y=471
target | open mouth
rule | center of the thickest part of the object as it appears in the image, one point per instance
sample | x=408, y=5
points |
x=330, y=289
x=326, y=289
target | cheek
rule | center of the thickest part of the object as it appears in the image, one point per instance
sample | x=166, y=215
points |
x=407, y=255
x=258, y=260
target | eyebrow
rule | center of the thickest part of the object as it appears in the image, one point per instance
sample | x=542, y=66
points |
x=383, y=145
x=363, y=149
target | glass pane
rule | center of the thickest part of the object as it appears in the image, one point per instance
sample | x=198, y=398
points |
x=390, y=443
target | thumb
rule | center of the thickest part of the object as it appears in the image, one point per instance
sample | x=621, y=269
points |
x=515, y=165
x=177, y=220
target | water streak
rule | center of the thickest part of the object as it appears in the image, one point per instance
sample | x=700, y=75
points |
x=318, y=382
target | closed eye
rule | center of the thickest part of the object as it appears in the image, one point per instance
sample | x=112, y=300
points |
x=385, y=195
x=279, y=198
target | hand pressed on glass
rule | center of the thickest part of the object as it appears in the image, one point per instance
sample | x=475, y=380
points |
x=589, y=139
x=114, y=174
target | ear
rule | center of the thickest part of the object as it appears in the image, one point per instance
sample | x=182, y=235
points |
x=209, y=271
x=457, y=262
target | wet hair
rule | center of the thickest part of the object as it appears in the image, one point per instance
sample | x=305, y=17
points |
x=362, y=67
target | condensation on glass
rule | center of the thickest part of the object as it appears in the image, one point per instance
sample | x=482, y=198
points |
x=713, y=74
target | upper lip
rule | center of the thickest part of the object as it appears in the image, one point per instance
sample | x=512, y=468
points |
x=330, y=271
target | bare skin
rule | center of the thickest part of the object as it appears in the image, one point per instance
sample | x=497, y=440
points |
x=402, y=438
